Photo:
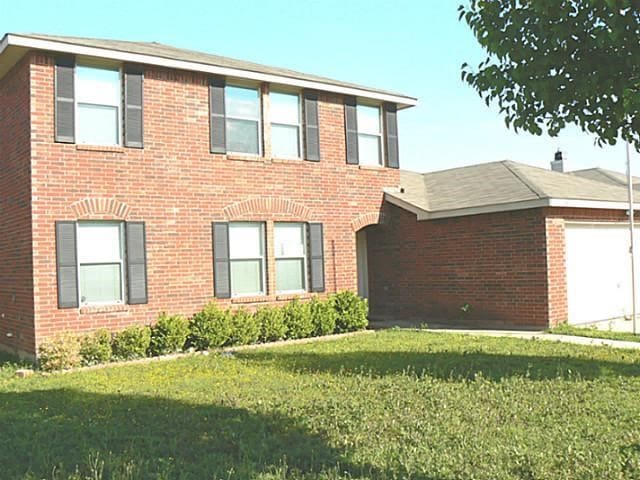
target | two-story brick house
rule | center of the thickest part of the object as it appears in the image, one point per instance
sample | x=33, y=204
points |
x=138, y=178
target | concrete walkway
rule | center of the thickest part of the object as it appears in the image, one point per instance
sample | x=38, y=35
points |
x=548, y=337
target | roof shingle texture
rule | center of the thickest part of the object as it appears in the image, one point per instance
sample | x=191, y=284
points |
x=174, y=53
x=498, y=183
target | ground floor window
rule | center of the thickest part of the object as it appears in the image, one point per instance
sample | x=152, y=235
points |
x=247, y=258
x=291, y=257
x=100, y=262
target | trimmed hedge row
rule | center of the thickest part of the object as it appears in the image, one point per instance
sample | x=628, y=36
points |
x=212, y=327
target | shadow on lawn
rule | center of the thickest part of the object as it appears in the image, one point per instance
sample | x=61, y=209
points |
x=48, y=433
x=447, y=365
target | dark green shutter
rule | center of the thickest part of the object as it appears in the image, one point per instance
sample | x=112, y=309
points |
x=217, y=115
x=316, y=257
x=64, y=100
x=221, y=265
x=67, y=264
x=351, y=129
x=136, y=263
x=133, y=106
x=391, y=135
x=311, y=127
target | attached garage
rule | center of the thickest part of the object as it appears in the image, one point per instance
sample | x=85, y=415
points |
x=598, y=271
x=502, y=244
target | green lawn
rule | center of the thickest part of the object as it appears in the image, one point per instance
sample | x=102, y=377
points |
x=593, y=332
x=389, y=405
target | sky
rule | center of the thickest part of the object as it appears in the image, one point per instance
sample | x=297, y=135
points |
x=414, y=47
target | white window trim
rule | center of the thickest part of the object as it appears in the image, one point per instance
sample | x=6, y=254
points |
x=263, y=264
x=304, y=258
x=75, y=105
x=121, y=262
x=245, y=118
x=297, y=125
x=381, y=159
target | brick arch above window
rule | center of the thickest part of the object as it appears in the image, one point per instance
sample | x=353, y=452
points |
x=100, y=208
x=366, y=219
x=267, y=207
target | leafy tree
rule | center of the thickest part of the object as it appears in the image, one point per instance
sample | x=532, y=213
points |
x=551, y=63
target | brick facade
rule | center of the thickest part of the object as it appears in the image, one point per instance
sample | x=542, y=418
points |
x=177, y=187
x=509, y=266
x=16, y=260
x=426, y=271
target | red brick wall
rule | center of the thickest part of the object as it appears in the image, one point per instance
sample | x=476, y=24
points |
x=16, y=281
x=425, y=271
x=178, y=188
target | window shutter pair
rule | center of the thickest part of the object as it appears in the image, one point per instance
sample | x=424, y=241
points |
x=390, y=132
x=221, y=263
x=67, y=264
x=217, y=126
x=65, y=103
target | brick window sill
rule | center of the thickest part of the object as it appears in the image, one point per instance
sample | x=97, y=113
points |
x=100, y=148
x=286, y=160
x=245, y=158
x=272, y=298
x=371, y=167
x=293, y=296
x=103, y=309
x=256, y=299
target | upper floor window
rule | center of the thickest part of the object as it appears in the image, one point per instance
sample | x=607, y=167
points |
x=369, y=135
x=285, y=124
x=242, y=109
x=98, y=106
x=291, y=257
x=246, y=258
x=100, y=262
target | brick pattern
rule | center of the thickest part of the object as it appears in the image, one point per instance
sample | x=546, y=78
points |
x=177, y=187
x=426, y=271
x=510, y=267
x=16, y=260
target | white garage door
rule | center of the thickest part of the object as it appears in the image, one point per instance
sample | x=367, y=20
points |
x=598, y=272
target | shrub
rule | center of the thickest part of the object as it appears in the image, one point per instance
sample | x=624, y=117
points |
x=271, y=323
x=352, y=312
x=95, y=348
x=210, y=328
x=323, y=316
x=132, y=342
x=59, y=353
x=244, y=328
x=168, y=335
x=297, y=319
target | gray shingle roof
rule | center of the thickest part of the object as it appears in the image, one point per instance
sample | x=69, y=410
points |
x=498, y=184
x=166, y=51
x=607, y=176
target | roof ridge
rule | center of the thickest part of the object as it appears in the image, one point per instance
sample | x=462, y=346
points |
x=509, y=165
x=607, y=173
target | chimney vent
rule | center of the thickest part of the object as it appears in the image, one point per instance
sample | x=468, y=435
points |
x=557, y=165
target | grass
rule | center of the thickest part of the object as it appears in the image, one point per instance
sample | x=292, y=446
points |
x=593, y=332
x=389, y=405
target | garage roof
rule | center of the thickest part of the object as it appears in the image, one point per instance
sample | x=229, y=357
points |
x=14, y=46
x=607, y=176
x=500, y=186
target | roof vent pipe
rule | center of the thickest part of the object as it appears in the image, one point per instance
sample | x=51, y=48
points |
x=557, y=165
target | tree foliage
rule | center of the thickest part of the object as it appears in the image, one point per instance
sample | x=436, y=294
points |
x=551, y=63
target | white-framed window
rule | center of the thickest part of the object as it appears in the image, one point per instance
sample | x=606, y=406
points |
x=247, y=258
x=100, y=262
x=369, y=135
x=291, y=257
x=98, y=106
x=285, y=116
x=242, y=111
